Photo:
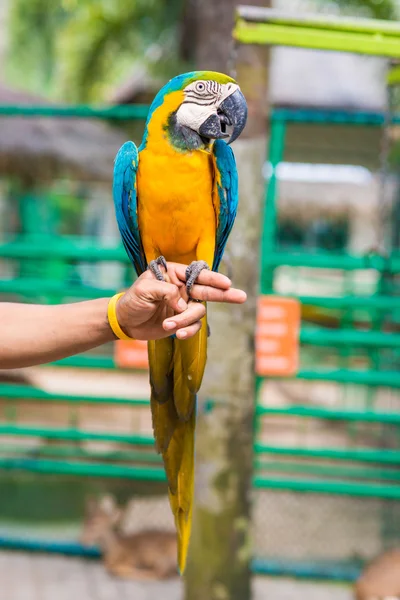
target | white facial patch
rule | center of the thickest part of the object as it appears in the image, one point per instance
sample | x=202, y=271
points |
x=193, y=115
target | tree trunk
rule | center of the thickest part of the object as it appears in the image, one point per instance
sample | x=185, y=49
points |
x=4, y=5
x=220, y=552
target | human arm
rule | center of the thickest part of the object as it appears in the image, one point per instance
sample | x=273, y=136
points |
x=35, y=334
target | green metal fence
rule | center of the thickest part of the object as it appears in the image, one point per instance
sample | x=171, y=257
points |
x=353, y=470
x=62, y=449
x=363, y=361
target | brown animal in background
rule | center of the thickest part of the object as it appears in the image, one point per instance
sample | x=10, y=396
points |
x=380, y=580
x=15, y=376
x=148, y=555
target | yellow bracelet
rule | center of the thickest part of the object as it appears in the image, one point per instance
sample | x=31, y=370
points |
x=112, y=318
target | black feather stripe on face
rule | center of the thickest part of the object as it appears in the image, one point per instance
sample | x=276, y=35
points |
x=204, y=91
x=199, y=102
x=201, y=97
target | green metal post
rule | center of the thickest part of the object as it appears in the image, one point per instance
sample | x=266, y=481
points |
x=39, y=223
x=276, y=150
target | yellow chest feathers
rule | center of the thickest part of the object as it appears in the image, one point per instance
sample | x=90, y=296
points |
x=176, y=204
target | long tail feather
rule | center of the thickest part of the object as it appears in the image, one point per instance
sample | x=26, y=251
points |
x=182, y=501
x=176, y=372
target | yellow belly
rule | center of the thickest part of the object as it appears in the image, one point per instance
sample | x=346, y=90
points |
x=175, y=206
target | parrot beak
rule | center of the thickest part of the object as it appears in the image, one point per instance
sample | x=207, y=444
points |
x=232, y=112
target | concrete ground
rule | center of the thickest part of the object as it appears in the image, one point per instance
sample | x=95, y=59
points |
x=25, y=576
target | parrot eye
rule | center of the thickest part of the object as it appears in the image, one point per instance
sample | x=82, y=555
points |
x=200, y=87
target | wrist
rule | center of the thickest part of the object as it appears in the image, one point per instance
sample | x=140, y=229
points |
x=93, y=321
x=104, y=325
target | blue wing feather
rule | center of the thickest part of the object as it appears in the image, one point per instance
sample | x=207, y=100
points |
x=228, y=196
x=125, y=202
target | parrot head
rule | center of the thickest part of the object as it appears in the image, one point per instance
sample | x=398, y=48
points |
x=200, y=107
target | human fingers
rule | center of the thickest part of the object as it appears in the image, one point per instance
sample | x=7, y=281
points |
x=195, y=311
x=155, y=291
x=212, y=294
x=188, y=332
x=217, y=280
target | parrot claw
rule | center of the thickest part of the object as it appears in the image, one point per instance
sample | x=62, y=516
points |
x=154, y=267
x=192, y=273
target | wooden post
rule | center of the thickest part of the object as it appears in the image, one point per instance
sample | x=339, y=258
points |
x=221, y=549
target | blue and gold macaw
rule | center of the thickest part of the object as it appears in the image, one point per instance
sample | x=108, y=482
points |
x=176, y=199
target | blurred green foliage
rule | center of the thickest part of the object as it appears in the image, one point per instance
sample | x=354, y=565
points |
x=378, y=9
x=80, y=50
x=32, y=43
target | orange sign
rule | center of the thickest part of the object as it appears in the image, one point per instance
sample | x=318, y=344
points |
x=131, y=354
x=277, y=336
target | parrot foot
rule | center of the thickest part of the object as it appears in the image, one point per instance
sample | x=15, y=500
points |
x=154, y=267
x=193, y=271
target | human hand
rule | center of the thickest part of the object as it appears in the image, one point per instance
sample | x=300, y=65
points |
x=152, y=309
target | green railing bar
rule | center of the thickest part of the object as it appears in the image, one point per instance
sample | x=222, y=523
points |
x=330, y=414
x=82, y=469
x=79, y=452
x=139, y=456
x=314, y=39
x=75, y=434
x=317, y=21
x=357, y=454
x=375, y=378
x=312, y=570
x=24, y=392
x=158, y=474
x=348, y=337
x=88, y=252
x=123, y=112
x=328, y=487
x=330, y=117
x=340, y=302
x=68, y=250
x=329, y=470
x=41, y=287
x=325, y=260
x=142, y=457
x=87, y=361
